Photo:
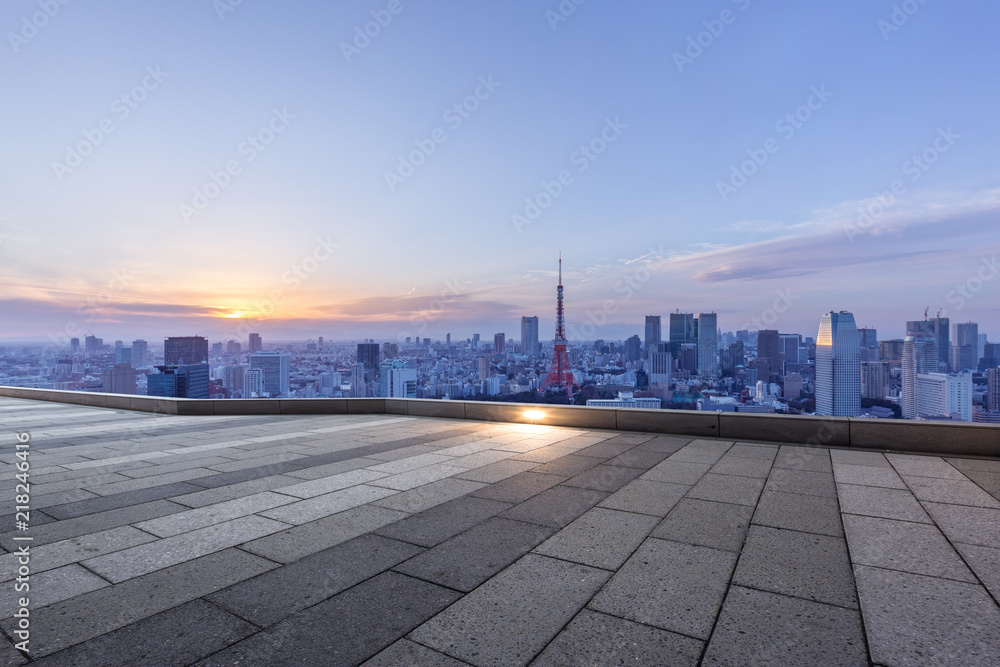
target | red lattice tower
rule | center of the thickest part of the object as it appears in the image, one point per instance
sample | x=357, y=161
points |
x=560, y=374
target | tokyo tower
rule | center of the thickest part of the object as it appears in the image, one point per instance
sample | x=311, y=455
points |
x=560, y=375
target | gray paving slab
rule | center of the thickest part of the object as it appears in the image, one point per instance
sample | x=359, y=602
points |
x=858, y=458
x=429, y=495
x=294, y=543
x=638, y=458
x=120, y=500
x=520, y=487
x=346, y=629
x=9, y=655
x=803, y=458
x=955, y=492
x=707, y=524
x=923, y=466
x=318, y=487
x=985, y=562
x=495, y=472
x=877, y=501
x=86, y=616
x=604, y=478
x=805, y=565
x=41, y=501
x=470, y=558
x=988, y=481
x=327, y=504
x=145, y=558
x=665, y=444
x=600, y=538
x=177, y=636
x=754, y=451
x=868, y=476
x=405, y=481
x=541, y=595
x=608, y=449
x=804, y=482
x=53, y=586
x=794, y=511
x=568, y=466
x=593, y=638
x=901, y=545
x=405, y=653
x=761, y=628
x=555, y=507
x=916, y=620
x=57, y=554
x=545, y=454
x=646, y=496
x=678, y=472
x=444, y=521
x=701, y=451
x=234, y=491
x=727, y=489
x=669, y=585
x=318, y=471
x=972, y=525
x=277, y=594
x=731, y=464
x=183, y=522
x=970, y=464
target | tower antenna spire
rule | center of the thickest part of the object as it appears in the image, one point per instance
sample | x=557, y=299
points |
x=560, y=375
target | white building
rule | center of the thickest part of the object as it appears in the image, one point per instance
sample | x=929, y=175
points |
x=276, y=367
x=253, y=383
x=944, y=396
x=920, y=355
x=838, y=366
x=398, y=381
x=624, y=400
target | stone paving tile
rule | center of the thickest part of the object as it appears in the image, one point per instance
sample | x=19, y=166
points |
x=41, y=501
x=409, y=463
x=988, y=481
x=707, y=524
x=568, y=466
x=86, y=616
x=444, y=521
x=858, y=458
x=177, y=636
x=184, y=522
x=638, y=458
x=600, y=538
x=901, y=545
x=277, y=594
x=985, y=562
x=804, y=482
x=677, y=472
x=57, y=554
x=470, y=558
x=145, y=558
x=923, y=466
x=604, y=478
x=646, y=497
x=120, y=500
x=347, y=629
x=495, y=472
x=243, y=463
x=673, y=586
x=151, y=482
x=608, y=449
x=753, y=451
x=727, y=489
x=317, y=472
x=318, y=507
x=985, y=465
x=318, y=487
x=744, y=467
x=954, y=492
x=793, y=511
x=814, y=567
x=917, y=620
x=555, y=507
x=414, y=478
x=429, y=495
x=541, y=594
x=234, y=491
x=479, y=459
x=545, y=454
x=803, y=458
x=665, y=444
x=760, y=628
x=406, y=452
x=289, y=545
x=405, y=653
x=53, y=586
x=9, y=655
x=520, y=487
x=884, y=503
x=593, y=638
x=92, y=523
x=972, y=525
x=701, y=451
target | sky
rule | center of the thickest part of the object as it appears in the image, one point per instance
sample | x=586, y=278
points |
x=392, y=168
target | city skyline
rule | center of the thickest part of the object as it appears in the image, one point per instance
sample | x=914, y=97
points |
x=169, y=176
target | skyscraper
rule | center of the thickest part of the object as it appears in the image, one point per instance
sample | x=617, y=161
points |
x=993, y=389
x=769, y=352
x=529, y=335
x=939, y=329
x=368, y=356
x=185, y=381
x=185, y=351
x=633, y=348
x=838, y=366
x=358, y=387
x=653, y=333
x=660, y=365
x=708, y=344
x=119, y=379
x=943, y=395
x=397, y=380
x=140, y=353
x=276, y=367
x=965, y=351
x=499, y=343
x=253, y=383
x=920, y=355
x=484, y=368
x=255, y=344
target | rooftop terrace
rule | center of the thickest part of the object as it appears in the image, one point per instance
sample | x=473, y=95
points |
x=387, y=539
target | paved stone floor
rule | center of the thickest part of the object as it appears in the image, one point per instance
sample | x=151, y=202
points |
x=386, y=540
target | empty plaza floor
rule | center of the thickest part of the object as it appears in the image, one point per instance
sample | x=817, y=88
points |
x=391, y=540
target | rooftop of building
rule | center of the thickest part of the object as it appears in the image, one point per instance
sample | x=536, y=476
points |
x=391, y=539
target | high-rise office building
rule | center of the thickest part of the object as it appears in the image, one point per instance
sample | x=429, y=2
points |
x=484, y=368
x=874, y=378
x=769, y=352
x=140, y=353
x=653, y=333
x=660, y=365
x=920, y=356
x=74, y=345
x=838, y=366
x=255, y=343
x=708, y=344
x=119, y=379
x=397, y=380
x=868, y=337
x=633, y=348
x=475, y=341
x=93, y=344
x=368, y=356
x=233, y=348
x=276, y=367
x=891, y=350
x=253, y=383
x=185, y=351
x=965, y=349
x=993, y=389
x=790, y=345
x=359, y=389
x=123, y=355
x=232, y=377
x=682, y=329
x=529, y=336
x=499, y=343
x=943, y=395
x=184, y=381
x=937, y=327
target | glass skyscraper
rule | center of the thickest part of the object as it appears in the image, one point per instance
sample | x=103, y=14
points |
x=838, y=366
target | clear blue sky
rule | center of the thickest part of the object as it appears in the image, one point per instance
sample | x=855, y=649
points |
x=654, y=223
